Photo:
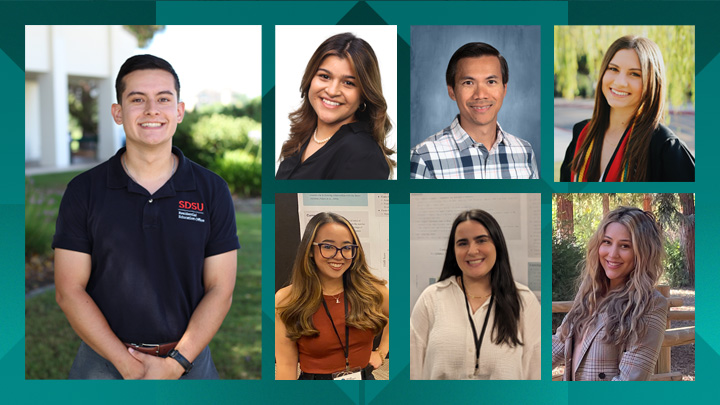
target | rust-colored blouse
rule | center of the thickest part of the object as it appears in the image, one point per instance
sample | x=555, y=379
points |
x=323, y=353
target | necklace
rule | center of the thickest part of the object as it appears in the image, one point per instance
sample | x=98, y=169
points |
x=318, y=140
x=122, y=159
x=336, y=297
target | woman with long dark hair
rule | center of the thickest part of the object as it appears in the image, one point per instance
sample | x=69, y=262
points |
x=327, y=318
x=625, y=139
x=340, y=128
x=616, y=325
x=476, y=322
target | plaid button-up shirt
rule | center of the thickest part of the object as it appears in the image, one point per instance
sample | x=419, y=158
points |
x=453, y=154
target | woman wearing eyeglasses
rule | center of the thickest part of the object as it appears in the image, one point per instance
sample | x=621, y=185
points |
x=327, y=318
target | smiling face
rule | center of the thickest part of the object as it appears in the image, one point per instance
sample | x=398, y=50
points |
x=478, y=92
x=474, y=250
x=616, y=253
x=338, y=235
x=622, y=82
x=334, y=92
x=149, y=111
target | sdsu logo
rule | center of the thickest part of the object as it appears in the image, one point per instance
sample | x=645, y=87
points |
x=192, y=205
x=191, y=211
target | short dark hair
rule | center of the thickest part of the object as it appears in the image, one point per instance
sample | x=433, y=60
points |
x=143, y=62
x=507, y=298
x=474, y=50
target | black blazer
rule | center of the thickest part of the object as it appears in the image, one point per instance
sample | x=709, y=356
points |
x=350, y=154
x=670, y=159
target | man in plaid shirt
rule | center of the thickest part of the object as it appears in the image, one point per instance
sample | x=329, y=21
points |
x=474, y=146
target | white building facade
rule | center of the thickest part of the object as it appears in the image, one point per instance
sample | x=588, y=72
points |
x=53, y=55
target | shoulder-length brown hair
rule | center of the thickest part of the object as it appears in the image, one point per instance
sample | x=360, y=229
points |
x=366, y=301
x=373, y=108
x=649, y=114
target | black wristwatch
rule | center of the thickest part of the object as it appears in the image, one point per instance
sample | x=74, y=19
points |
x=174, y=354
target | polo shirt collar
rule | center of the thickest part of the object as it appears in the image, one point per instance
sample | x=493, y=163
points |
x=464, y=141
x=182, y=180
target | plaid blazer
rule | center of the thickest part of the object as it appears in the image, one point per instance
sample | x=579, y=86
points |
x=600, y=361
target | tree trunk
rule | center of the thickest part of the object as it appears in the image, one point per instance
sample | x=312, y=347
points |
x=647, y=202
x=606, y=204
x=687, y=203
x=565, y=225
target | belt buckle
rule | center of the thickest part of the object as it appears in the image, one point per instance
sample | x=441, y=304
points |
x=147, y=346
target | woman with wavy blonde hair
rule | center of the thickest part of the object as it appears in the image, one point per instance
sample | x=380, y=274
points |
x=327, y=318
x=339, y=130
x=616, y=325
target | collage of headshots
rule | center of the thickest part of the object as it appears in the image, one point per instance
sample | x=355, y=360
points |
x=144, y=205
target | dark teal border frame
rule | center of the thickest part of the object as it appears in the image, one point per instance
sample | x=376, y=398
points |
x=702, y=14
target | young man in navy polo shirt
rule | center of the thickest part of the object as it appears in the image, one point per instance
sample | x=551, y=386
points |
x=145, y=245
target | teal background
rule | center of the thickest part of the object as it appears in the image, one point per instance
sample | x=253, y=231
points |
x=13, y=17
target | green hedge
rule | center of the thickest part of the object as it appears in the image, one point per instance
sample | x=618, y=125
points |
x=226, y=140
x=241, y=170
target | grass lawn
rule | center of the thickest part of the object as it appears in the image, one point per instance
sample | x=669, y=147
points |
x=54, y=181
x=50, y=343
x=42, y=201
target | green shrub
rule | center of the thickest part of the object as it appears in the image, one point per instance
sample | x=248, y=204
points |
x=218, y=138
x=183, y=136
x=242, y=171
x=566, y=256
x=676, y=274
x=215, y=134
x=40, y=215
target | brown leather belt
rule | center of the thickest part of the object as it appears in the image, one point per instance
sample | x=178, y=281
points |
x=160, y=350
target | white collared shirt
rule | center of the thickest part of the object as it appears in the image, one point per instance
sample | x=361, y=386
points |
x=441, y=338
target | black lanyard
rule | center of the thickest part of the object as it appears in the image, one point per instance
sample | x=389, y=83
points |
x=346, y=348
x=478, y=342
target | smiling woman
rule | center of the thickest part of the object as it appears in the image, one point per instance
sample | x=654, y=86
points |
x=625, y=140
x=340, y=129
x=475, y=292
x=327, y=319
x=616, y=325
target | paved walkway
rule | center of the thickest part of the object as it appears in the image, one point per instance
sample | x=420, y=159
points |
x=569, y=113
x=36, y=170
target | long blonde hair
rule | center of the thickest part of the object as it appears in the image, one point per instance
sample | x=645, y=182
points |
x=364, y=299
x=625, y=307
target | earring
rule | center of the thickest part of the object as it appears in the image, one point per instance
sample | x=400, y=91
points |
x=364, y=107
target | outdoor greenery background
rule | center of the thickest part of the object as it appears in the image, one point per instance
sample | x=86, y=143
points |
x=579, y=50
x=569, y=246
x=50, y=342
x=222, y=138
x=218, y=137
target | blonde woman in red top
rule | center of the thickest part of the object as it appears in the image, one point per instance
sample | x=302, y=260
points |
x=327, y=318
